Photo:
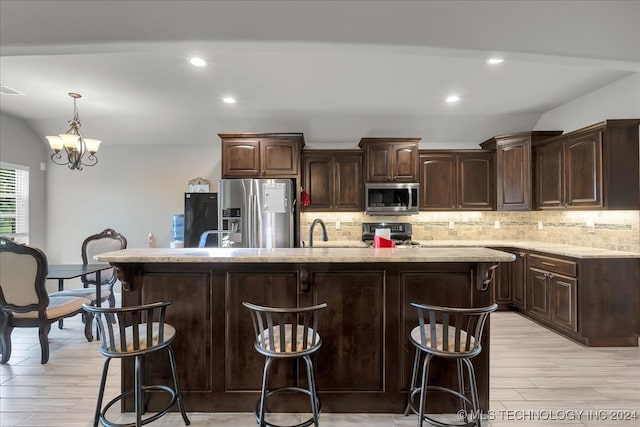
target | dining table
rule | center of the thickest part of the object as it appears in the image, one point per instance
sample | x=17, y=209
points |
x=62, y=272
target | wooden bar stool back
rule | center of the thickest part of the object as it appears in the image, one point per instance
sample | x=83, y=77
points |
x=285, y=333
x=453, y=333
x=135, y=332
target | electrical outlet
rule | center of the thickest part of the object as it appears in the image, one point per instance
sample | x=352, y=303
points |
x=591, y=227
x=451, y=225
x=338, y=225
x=539, y=225
x=496, y=225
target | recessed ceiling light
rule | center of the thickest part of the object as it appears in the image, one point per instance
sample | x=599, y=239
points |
x=452, y=98
x=198, y=62
x=228, y=100
x=495, y=61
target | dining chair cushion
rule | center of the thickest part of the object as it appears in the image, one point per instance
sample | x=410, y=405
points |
x=18, y=271
x=312, y=339
x=169, y=333
x=100, y=246
x=59, y=306
x=89, y=293
x=415, y=335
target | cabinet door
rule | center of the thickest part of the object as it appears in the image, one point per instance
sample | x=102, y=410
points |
x=514, y=174
x=519, y=280
x=437, y=181
x=279, y=157
x=550, y=176
x=538, y=302
x=347, y=183
x=318, y=181
x=240, y=158
x=379, y=162
x=404, y=165
x=243, y=367
x=475, y=181
x=503, y=284
x=583, y=173
x=565, y=299
x=352, y=330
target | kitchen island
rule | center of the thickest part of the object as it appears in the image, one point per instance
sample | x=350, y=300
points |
x=364, y=364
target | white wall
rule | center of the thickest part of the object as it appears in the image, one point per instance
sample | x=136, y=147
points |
x=619, y=100
x=20, y=145
x=133, y=189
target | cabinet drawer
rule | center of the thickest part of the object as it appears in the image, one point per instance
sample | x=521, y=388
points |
x=553, y=265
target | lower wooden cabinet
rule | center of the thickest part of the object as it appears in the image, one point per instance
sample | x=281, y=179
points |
x=595, y=301
x=518, y=279
x=564, y=294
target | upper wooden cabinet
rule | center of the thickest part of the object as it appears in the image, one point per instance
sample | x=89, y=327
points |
x=591, y=168
x=254, y=155
x=456, y=180
x=391, y=159
x=514, y=181
x=333, y=179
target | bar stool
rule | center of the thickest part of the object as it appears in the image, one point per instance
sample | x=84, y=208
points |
x=276, y=330
x=136, y=332
x=453, y=333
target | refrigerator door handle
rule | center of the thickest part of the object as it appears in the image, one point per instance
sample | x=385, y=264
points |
x=257, y=223
x=250, y=224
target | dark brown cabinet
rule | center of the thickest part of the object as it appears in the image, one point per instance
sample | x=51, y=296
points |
x=511, y=281
x=591, y=168
x=333, y=180
x=553, y=292
x=266, y=155
x=456, y=180
x=390, y=159
x=514, y=179
x=518, y=279
x=603, y=311
x=352, y=328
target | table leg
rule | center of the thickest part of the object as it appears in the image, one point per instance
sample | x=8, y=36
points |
x=60, y=289
x=98, y=298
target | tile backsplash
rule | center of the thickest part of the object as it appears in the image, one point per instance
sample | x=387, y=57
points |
x=616, y=230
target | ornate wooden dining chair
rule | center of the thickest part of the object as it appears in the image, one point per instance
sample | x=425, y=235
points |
x=106, y=241
x=24, y=301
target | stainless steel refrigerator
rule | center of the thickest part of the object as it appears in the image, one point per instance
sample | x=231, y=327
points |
x=256, y=213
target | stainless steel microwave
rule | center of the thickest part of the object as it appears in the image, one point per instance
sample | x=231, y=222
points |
x=391, y=198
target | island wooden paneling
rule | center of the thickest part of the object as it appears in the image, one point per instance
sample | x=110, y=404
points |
x=364, y=364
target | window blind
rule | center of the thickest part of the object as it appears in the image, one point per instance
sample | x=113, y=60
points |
x=14, y=201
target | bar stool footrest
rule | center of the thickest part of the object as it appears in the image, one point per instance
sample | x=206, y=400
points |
x=153, y=388
x=269, y=393
x=416, y=390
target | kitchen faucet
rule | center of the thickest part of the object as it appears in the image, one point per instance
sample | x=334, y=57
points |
x=324, y=231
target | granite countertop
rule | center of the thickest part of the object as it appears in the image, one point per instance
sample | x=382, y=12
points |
x=305, y=255
x=552, y=248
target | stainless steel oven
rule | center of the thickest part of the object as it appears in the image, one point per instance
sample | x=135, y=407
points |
x=391, y=198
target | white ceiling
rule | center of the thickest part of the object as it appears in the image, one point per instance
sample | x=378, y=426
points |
x=336, y=71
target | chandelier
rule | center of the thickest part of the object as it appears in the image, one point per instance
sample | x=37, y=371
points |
x=74, y=144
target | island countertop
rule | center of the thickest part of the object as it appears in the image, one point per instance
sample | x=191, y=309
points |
x=305, y=255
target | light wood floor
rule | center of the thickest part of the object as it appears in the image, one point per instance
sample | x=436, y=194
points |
x=538, y=378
